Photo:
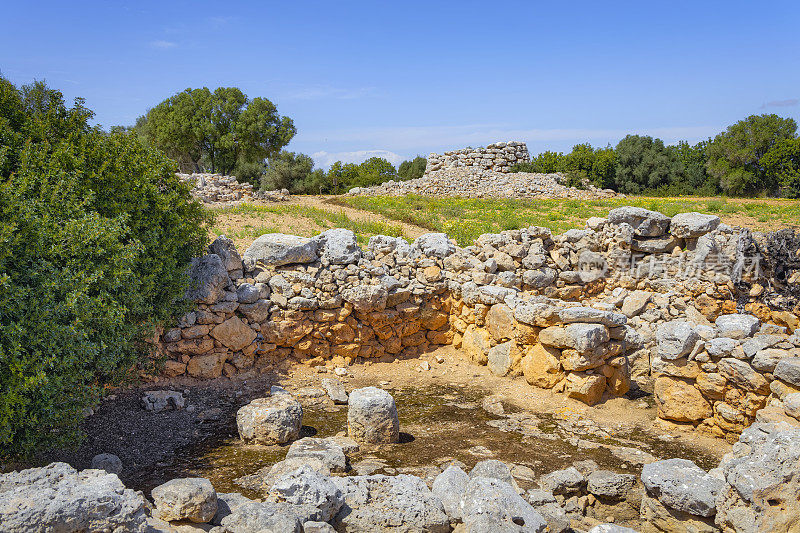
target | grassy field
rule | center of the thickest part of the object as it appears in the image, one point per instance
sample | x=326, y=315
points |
x=465, y=218
x=244, y=222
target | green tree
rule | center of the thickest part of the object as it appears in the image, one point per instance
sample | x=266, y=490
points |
x=216, y=131
x=734, y=156
x=644, y=163
x=375, y=171
x=545, y=163
x=343, y=176
x=287, y=170
x=96, y=233
x=604, y=168
x=409, y=170
x=782, y=166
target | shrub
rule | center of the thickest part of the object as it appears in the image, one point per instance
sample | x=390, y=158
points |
x=409, y=170
x=644, y=163
x=96, y=232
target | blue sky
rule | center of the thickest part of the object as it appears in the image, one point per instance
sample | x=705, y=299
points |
x=405, y=78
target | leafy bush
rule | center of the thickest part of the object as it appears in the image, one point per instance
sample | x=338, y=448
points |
x=644, y=163
x=782, y=166
x=287, y=170
x=409, y=170
x=96, y=232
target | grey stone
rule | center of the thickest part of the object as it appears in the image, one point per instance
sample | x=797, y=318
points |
x=635, y=302
x=449, y=486
x=372, y=416
x=654, y=245
x=262, y=517
x=675, y=339
x=226, y=250
x=57, y=498
x=108, y=462
x=493, y=469
x=492, y=505
x=162, y=400
x=228, y=502
x=566, y=481
x=185, y=499
x=500, y=358
x=366, y=298
x=326, y=450
x=262, y=480
x=607, y=484
x=644, y=223
x=537, y=497
x=339, y=246
x=335, y=390
x=611, y=528
x=737, y=326
x=788, y=370
x=581, y=337
x=277, y=249
x=791, y=404
x=395, y=504
x=592, y=316
x=721, y=346
x=434, y=244
x=692, y=225
x=208, y=278
x=760, y=342
x=742, y=375
x=247, y=293
x=307, y=488
x=318, y=527
x=682, y=485
x=275, y=419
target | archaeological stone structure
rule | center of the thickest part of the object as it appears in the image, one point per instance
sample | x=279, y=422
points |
x=675, y=306
x=499, y=157
x=216, y=188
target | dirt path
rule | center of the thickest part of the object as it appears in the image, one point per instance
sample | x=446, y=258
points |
x=321, y=202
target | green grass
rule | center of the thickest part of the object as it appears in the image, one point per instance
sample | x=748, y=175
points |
x=466, y=218
x=319, y=217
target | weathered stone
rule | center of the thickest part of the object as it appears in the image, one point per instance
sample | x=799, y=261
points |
x=607, y=484
x=678, y=400
x=493, y=469
x=185, y=499
x=247, y=293
x=502, y=358
x=541, y=366
x=500, y=322
x=449, y=486
x=234, y=333
x=277, y=249
x=587, y=388
x=57, y=498
x=644, y=223
x=788, y=370
x=208, y=278
x=682, y=485
x=262, y=517
x=366, y=298
x=737, y=326
x=275, y=419
x=693, y=225
x=655, y=245
x=434, y=245
x=566, y=481
x=491, y=505
x=635, y=302
x=207, y=366
x=398, y=504
x=581, y=337
x=742, y=375
x=372, y=416
x=675, y=339
x=306, y=488
x=476, y=343
x=335, y=390
x=108, y=462
x=591, y=316
x=163, y=400
x=338, y=246
x=328, y=451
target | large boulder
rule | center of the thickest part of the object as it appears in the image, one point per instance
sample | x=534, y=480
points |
x=306, y=488
x=338, y=246
x=742, y=375
x=682, y=485
x=434, y=245
x=675, y=339
x=208, y=278
x=262, y=517
x=58, y=498
x=226, y=250
x=191, y=499
x=366, y=298
x=566, y=481
x=372, y=416
x=492, y=505
x=580, y=337
x=762, y=481
x=607, y=484
x=276, y=249
x=326, y=450
x=449, y=486
x=541, y=366
x=737, y=326
x=396, y=504
x=678, y=399
x=693, y=225
x=275, y=419
x=493, y=469
x=645, y=223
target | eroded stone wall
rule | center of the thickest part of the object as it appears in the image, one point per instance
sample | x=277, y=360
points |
x=637, y=299
x=499, y=157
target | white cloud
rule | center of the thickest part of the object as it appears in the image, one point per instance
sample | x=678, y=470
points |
x=781, y=103
x=163, y=45
x=326, y=159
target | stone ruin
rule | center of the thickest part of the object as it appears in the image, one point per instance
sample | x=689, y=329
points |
x=216, y=188
x=703, y=314
x=497, y=157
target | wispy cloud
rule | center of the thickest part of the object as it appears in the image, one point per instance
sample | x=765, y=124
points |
x=326, y=159
x=162, y=44
x=781, y=103
x=423, y=139
x=324, y=92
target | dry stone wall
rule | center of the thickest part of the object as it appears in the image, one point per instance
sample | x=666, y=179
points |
x=498, y=157
x=673, y=306
x=216, y=188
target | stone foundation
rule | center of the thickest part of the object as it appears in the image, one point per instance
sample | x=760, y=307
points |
x=500, y=157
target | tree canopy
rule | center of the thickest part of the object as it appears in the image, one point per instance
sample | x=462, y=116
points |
x=216, y=131
x=96, y=232
x=644, y=163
